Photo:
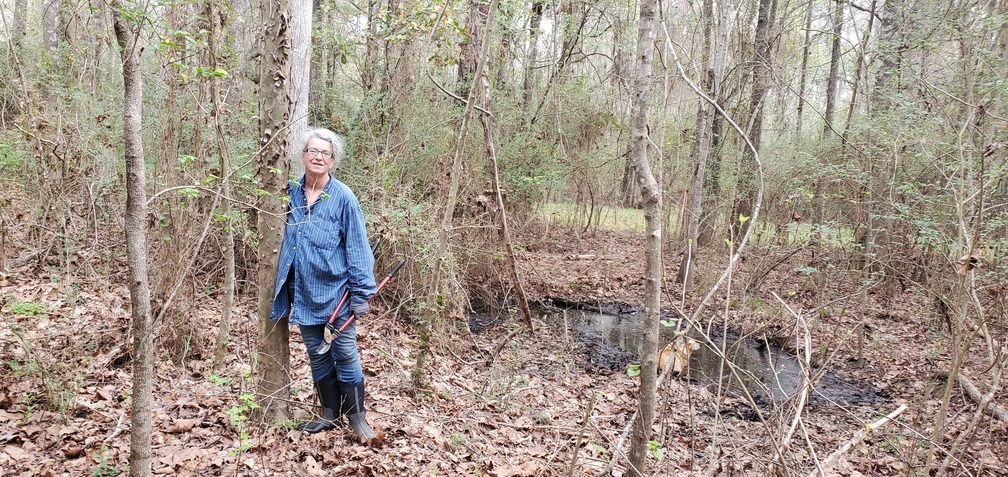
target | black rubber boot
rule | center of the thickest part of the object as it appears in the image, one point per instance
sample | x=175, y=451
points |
x=353, y=407
x=329, y=394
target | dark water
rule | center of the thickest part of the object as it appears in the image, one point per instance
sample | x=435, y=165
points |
x=767, y=372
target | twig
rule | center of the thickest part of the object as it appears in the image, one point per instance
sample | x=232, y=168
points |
x=119, y=428
x=834, y=458
x=580, y=435
x=806, y=383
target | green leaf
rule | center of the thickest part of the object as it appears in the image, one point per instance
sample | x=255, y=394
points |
x=655, y=448
x=633, y=370
x=743, y=219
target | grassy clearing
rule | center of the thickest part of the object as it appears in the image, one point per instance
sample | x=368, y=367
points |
x=619, y=218
x=615, y=218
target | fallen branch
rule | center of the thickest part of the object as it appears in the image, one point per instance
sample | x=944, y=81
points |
x=834, y=458
x=978, y=397
x=119, y=428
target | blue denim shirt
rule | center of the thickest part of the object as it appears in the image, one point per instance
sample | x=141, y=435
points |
x=327, y=247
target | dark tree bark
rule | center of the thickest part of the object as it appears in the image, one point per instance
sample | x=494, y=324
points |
x=135, y=222
x=372, y=45
x=705, y=121
x=651, y=194
x=274, y=114
x=471, y=46
x=834, y=70
x=760, y=84
x=802, y=81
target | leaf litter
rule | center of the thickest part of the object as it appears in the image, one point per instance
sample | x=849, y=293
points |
x=64, y=399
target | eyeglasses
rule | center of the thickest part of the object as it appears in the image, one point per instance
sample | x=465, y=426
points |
x=318, y=152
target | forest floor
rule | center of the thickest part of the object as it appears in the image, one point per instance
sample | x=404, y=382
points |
x=65, y=382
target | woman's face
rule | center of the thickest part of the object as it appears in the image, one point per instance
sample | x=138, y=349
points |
x=317, y=156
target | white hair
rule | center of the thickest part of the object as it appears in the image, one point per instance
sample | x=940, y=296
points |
x=326, y=135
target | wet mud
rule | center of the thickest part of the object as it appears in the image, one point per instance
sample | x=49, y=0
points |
x=609, y=339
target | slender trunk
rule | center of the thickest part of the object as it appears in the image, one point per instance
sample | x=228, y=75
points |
x=217, y=22
x=274, y=115
x=135, y=221
x=651, y=194
x=804, y=66
x=859, y=67
x=834, y=70
x=437, y=286
x=369, y=68
x=471, y=47
x=528, y=85
x=701, y=150
x=495, y=172
x=760, y=76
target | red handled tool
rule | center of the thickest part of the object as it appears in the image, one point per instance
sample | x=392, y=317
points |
x=330, y=329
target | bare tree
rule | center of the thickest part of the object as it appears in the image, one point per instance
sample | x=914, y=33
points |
x=274, y=114
x=135, y=222
x=651, y=194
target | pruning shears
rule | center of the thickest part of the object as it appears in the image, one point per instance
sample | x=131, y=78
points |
x=331, y=332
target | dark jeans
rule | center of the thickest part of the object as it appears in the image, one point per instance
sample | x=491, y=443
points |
x=342, y=357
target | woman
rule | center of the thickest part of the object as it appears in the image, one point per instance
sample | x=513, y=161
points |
x=325, y=254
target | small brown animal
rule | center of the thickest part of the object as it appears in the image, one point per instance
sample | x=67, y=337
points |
x=679, y=350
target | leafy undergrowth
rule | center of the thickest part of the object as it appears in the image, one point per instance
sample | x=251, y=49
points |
x=64, y=403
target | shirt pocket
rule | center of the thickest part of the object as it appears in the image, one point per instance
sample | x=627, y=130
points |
x=325, y=237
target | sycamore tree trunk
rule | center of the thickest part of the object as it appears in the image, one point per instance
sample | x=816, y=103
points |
x=274, y=114
x=135, y=221
x=651, y=195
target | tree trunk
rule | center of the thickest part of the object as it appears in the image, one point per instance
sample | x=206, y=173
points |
x=495, y=169
x=651, y=194
x=369, y=68
x=762, y=51
x=471, y=46
x=701, y=147
x=274, y=111
x=135, y=222
x=804, y=66
x=528, y=85
x=217, y=21
x=834, y=71
x=19, y=29
x=301, y=70
x=859, y=67
x=50, y=25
